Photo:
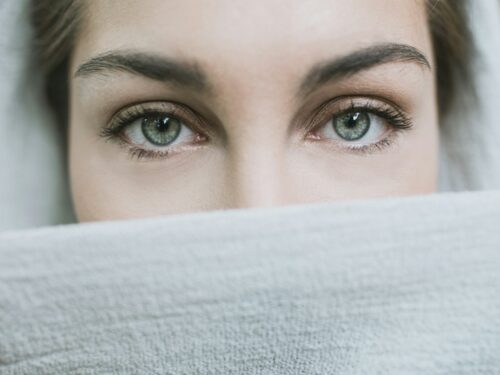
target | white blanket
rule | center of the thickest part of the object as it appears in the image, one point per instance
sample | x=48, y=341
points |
x=397, y=286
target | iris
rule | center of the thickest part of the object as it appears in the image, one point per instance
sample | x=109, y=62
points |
x=352, y=126
x=160, y=129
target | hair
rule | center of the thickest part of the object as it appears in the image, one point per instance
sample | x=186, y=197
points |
x=56, y=24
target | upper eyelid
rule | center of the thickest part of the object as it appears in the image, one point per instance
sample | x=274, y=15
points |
x=364, y=99
x=197, y=123
x=177, y=110
x=349, y=103
x=118, y=133
x=307, y=114
x=365, y=149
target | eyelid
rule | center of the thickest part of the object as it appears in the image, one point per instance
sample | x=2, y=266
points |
x=365, y=149
x=116, y=128
x=127, y=115
x=344, y=104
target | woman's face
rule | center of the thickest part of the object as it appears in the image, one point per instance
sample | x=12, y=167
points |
x=189, y=105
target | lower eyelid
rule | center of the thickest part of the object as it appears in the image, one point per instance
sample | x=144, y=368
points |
x=387, y=140
x=164, y=152
x=382, y=145
x=146, y=155
x=340, y=146
x=377, y=106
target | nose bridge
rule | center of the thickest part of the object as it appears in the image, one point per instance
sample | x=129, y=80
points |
x=256, y=172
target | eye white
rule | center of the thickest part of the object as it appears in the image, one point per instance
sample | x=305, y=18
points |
x=135, y=135
x=378, y=127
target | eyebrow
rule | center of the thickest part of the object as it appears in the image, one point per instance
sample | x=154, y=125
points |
x=149, y=65
x=360, y=60
x=189, y=74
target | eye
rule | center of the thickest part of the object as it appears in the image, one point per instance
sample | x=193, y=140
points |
x=355, y=126
x=359, y=125
x=154, y=131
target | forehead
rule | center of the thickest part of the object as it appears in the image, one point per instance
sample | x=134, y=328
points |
x=249, y=32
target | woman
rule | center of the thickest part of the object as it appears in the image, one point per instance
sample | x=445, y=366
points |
x=181, y=106
x=387, y=286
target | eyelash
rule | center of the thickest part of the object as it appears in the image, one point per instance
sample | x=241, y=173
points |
x=114, y=131
x=394, y=116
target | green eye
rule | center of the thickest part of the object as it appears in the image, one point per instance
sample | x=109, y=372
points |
x=160, y=129
x=352, y=126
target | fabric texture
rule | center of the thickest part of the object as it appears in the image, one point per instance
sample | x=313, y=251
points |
x=398, y=286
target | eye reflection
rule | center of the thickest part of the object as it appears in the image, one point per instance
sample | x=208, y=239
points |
x=357, y=128
x=352, y=126
x=160, y=129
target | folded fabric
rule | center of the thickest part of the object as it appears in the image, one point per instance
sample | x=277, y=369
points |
x=391, y=286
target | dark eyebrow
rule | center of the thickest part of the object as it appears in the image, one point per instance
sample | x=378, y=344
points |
x=361, y=60
x=149, y=65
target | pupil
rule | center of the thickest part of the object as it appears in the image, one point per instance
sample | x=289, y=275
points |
x=163, y=124
x=353, y=120
x=160, y=130
x=352, y=126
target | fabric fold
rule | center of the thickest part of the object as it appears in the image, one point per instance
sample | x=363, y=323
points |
x=391, y=286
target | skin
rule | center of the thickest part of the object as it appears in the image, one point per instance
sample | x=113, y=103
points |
x=256, y=150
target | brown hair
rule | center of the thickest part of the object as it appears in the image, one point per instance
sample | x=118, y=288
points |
x=56, y=24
